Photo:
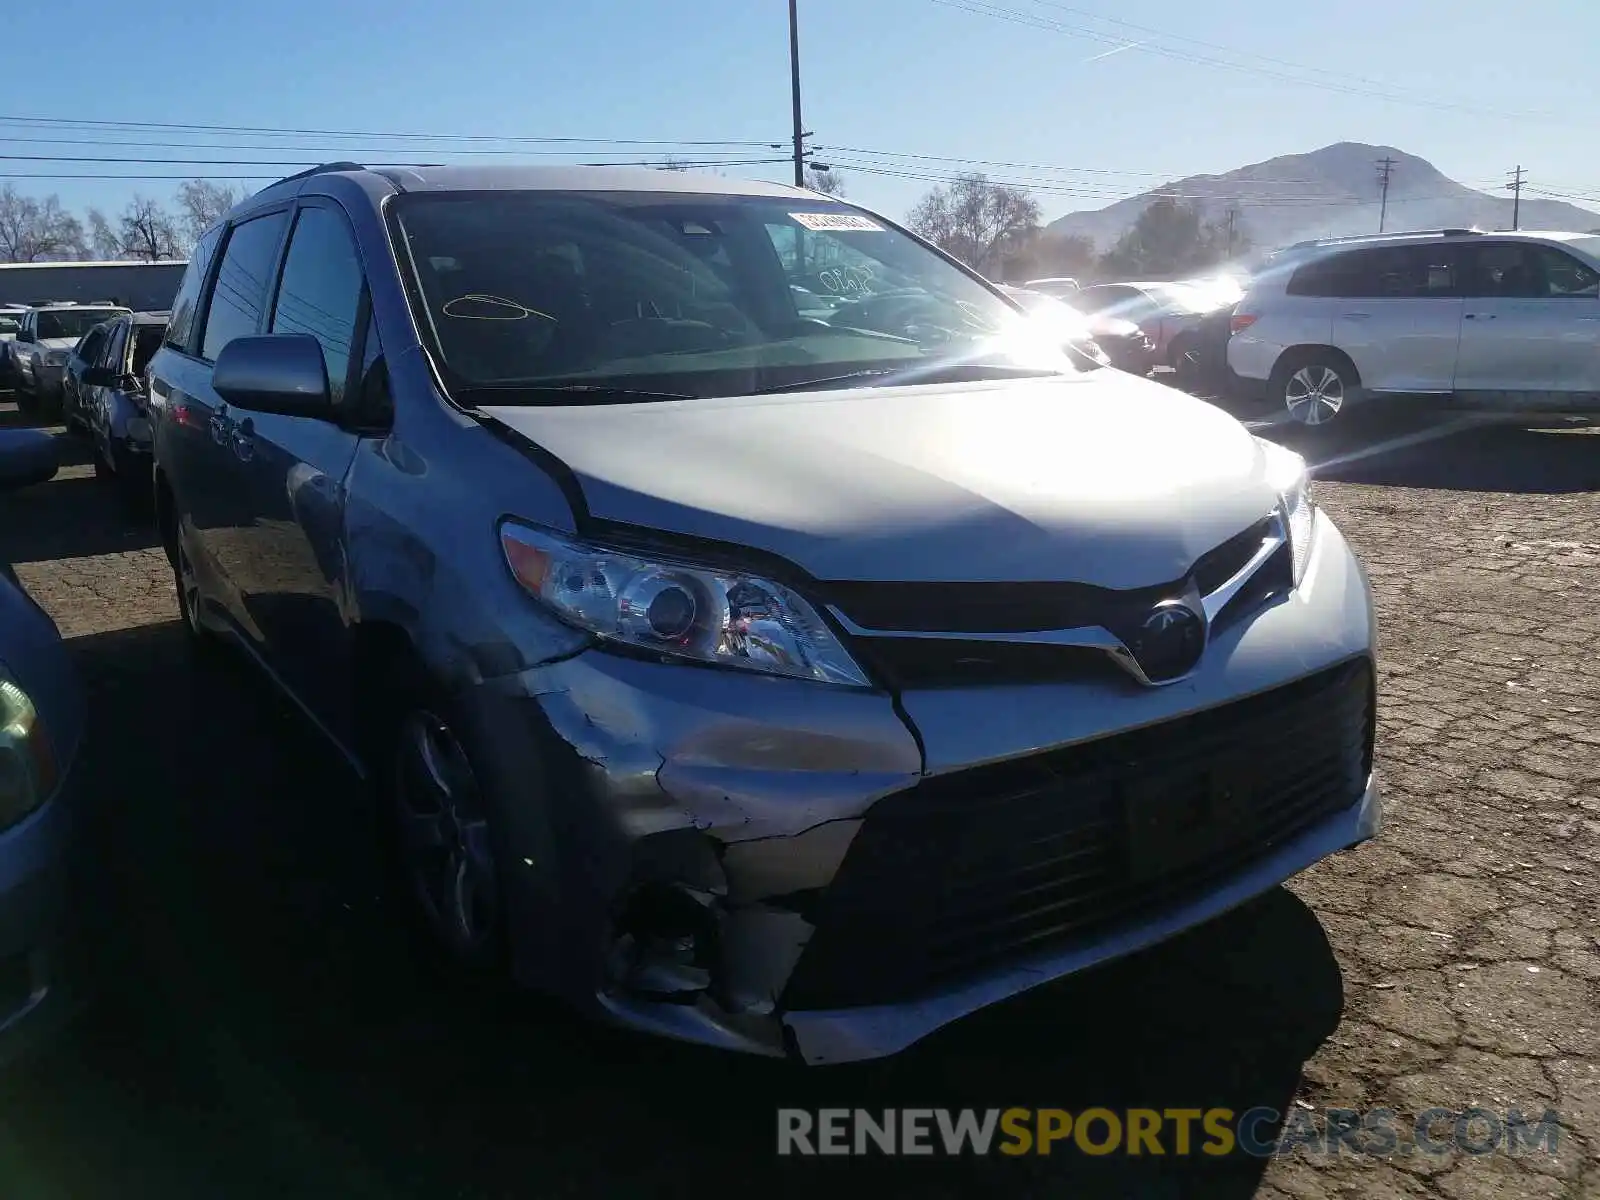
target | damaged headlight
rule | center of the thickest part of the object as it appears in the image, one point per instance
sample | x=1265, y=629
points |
x=1298, y=515
x=704, y=614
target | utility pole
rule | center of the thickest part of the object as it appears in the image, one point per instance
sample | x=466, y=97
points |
x=1233, y=215
x=794, y=83
x=1385, y=169
x=1515, y=187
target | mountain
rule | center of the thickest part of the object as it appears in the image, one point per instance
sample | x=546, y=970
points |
x=1327, y=193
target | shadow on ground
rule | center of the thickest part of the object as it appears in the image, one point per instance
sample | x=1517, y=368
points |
x=1468, y=455
x=73, y=515
x=264, y=1027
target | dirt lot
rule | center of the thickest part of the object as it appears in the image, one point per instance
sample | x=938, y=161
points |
x=262, y=1029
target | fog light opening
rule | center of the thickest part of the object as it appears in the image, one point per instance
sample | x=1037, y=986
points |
x=665, y=947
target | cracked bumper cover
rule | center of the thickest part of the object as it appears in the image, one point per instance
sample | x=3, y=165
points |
x=744, y=791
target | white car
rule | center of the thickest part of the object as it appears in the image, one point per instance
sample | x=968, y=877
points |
x=1502, y=322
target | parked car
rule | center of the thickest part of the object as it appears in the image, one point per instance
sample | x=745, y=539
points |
x=1058, y=287
x=1125, y=345
x=1169, y=313
x=1494, y=322
x=84, y=355
x=113, y=405
x=782, y=684
x=44, y=341
x=42, y=701
x=10, y=322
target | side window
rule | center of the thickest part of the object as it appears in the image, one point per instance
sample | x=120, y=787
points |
x=184, y=305
x=1564, y=275
x=112, y=349
x=320, y=292
x=1526, y=271
x=1327, y=276
x=240, y=291
x=88, y=349
x=1416, y=272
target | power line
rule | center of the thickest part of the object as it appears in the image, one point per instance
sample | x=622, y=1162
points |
x=1297, y=76
x=274, y=175
x=281, y=131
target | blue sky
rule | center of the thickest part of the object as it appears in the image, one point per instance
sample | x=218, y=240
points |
x=889, y=77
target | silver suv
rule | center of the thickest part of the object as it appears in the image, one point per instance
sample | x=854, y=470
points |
x=788, y=682
x=1501, y=322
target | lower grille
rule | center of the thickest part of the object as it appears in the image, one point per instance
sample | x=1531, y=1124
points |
x=964, y=873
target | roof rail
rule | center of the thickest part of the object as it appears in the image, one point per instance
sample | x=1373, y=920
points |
x=323, y=169
x=1379, y=237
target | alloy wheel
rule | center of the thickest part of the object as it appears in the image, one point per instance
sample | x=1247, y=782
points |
x=444, y=836
x=1314, y=395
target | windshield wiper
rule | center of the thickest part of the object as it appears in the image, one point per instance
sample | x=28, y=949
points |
x=569, y=393
x=825, y=381
x=912, y=376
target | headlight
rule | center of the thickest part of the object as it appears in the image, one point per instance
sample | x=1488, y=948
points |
x=28, y=771
x=55, y=357
x=1287, y=471
x=702, y=614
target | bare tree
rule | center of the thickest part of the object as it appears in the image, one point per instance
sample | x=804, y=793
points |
x=671, y=163
x=148, y=231
x=975, y=220
x=201, y=205
x=34, y=230
x=825, y=180
x=102, y=241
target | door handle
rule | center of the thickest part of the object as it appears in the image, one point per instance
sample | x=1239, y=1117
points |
x=244, y=441
x=1481, y=316
x=219, y=425
x=1356, y=316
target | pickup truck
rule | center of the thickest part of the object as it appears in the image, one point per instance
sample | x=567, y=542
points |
x=43, y=343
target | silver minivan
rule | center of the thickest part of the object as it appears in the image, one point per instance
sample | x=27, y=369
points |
x=785, y=676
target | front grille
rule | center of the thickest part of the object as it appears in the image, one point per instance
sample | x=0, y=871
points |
x=908, y=663
x=957, y=608
x=964, y=873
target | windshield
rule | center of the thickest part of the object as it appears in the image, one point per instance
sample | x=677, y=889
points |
x=696, y=295
x=8, y=325
x=72, y=322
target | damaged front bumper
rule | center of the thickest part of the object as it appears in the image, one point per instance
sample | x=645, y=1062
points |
x=777, y=867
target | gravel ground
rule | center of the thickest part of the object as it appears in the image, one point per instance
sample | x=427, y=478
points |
x=262, y=1028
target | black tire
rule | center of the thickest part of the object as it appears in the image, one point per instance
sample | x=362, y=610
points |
x=202, y=642
x=427, y=787
x=1311, y=393
x=27, y=403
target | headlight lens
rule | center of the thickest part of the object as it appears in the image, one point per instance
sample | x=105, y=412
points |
x=703, y=614
x=1287, y=471
x=55, y=357
x=28, y=773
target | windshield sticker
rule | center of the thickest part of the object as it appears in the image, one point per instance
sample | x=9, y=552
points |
x=478, y=307
x=836, y=222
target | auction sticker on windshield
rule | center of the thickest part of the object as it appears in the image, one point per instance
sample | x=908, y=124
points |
x=837, y=222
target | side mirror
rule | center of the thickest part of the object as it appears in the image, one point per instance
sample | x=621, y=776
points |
x=276, y=373
x=27, y=457
x=100, y=377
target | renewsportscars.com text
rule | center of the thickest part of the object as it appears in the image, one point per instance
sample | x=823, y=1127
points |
x=1215, y=1132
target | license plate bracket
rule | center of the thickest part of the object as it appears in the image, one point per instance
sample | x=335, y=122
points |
x=1172, y=823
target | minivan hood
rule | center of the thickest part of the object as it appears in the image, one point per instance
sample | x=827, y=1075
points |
x=61, y=343
x=1101, y=478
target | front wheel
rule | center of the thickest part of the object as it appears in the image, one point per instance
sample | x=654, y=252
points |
x=442, y=839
